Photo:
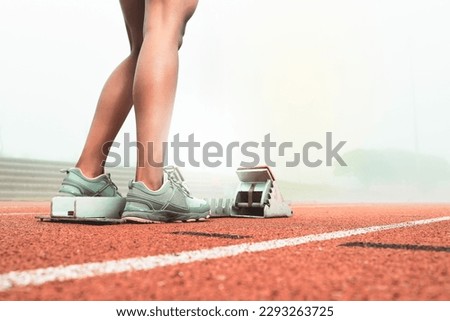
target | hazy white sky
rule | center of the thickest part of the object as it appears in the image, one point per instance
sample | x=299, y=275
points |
x=292, y=68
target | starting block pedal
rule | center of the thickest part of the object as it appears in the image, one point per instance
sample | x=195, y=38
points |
x=257, y=195
x=86, y=209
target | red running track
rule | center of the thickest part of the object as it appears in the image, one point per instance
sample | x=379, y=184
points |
x=400, y=263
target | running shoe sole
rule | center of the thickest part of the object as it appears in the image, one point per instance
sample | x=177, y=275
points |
x=164, y=217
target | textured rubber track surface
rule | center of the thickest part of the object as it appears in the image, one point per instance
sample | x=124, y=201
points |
x=404, y=263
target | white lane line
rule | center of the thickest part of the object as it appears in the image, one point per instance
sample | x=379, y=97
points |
x=20, y=214
x=80, y=271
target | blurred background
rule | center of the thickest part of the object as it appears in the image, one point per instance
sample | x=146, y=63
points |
x=375, y=74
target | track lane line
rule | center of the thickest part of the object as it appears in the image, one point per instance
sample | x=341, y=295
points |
x=80, y=271
x=20, y=214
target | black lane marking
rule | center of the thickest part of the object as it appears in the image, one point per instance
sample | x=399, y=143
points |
x=410, y=247
x=218, y=235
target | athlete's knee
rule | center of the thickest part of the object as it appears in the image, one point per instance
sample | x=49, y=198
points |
x=169, y=17
x=135, y=46
x=189, y=8
x=189, y=11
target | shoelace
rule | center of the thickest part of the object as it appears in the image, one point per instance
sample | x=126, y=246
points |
x=112, y=184
x=175, y=178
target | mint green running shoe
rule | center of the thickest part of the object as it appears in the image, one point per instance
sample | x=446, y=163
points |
x=171, y=203
x=76, y=184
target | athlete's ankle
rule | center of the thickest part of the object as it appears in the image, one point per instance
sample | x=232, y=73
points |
x=150, y=184
x=151, y=178
x=89, y=171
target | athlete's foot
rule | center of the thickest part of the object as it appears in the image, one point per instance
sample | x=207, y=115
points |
x=77, y=184
x=170, y=203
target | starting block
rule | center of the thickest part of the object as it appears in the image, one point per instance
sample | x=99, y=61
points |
x=257, y=195
x=85, y=209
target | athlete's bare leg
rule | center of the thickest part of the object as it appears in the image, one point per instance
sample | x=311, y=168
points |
x=156, y=80
x=147, y=78
x=116, y=97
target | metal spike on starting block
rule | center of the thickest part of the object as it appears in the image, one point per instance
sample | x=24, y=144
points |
x=257, y=195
